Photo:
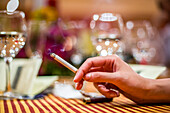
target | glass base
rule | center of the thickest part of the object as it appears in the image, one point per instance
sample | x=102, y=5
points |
x=11, y=95
x=7, y=96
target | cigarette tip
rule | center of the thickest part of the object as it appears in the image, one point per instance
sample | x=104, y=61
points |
x=52, y=54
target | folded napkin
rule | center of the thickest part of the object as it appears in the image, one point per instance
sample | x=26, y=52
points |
x=23, y=74
x=148, y=71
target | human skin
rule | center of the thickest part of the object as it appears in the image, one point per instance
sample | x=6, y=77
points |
x=112, y=75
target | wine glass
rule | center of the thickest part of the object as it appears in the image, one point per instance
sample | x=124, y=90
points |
x=35, y=45
x=12, y=39
x=141, y=37
x=107, y=31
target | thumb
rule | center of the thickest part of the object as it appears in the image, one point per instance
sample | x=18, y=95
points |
x=110, y=77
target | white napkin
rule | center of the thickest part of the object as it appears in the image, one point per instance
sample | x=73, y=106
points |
x=148, y=71
x=23, y=74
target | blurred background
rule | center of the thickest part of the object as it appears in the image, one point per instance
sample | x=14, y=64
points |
x=63, y=27
x=82, y=9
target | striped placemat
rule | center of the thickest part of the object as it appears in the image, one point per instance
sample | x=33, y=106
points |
x=52, y=104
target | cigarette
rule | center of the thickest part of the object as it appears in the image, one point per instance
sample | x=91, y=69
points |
x=63, y=62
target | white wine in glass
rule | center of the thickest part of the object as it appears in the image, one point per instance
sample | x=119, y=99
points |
x=11, y=43
x=13, y=33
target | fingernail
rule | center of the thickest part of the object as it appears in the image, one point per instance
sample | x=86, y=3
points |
x=88, y=76
x=117, y=93
x=74, y=80
x=100, y=86
x=75, y=77
x=76, y=85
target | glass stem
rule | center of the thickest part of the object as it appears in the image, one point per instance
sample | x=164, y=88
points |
x=8, y=80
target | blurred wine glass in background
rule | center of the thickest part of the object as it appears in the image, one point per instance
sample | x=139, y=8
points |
x=107, y=31
x=76, y=39
x=37, y=31
x=140, y=40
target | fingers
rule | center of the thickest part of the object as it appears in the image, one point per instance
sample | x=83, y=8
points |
x=79, y=85
x=93, y=62
x=111, y=86
x=106, y=92
x=96, y=69
x=114, y=78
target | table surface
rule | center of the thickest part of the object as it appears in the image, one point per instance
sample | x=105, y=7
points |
x=53, y=104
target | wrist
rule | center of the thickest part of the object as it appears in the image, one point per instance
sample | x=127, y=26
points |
x=150, y=88
x=145, y=92
x=156, y=91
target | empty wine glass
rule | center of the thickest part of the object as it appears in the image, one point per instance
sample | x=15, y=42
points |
x=37, y=31
x=140, y=36
x=12, y=39
x=107, y=31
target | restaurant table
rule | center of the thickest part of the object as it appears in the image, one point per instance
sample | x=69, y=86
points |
x=55, y=104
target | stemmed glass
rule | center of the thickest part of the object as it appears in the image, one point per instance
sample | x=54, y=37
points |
x=37, y=31
x=107, y=31
x=141, y=37
x=12, y=39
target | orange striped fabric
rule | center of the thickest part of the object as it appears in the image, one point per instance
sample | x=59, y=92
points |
x=52, y=104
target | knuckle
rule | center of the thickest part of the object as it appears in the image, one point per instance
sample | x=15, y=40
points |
x=118, y=77
x=117, y=58
x=95, y=76
x=114, y=55
x=88, y=61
